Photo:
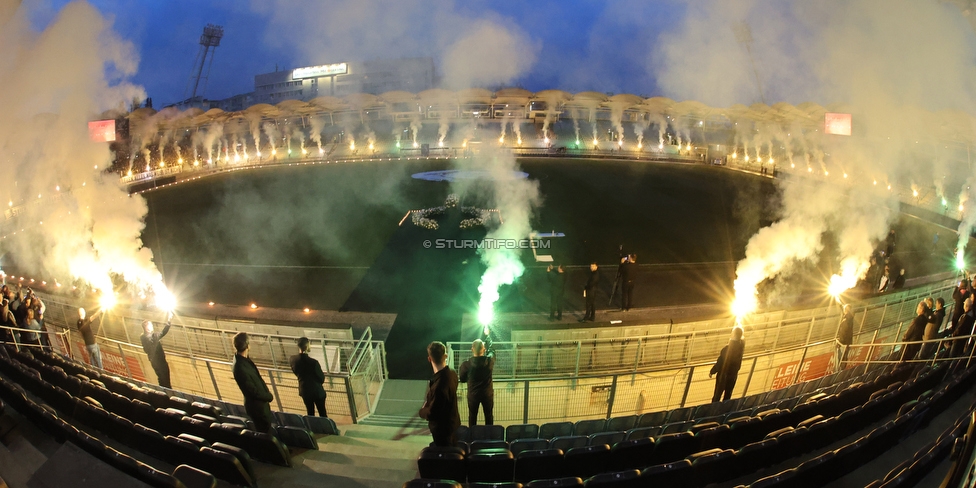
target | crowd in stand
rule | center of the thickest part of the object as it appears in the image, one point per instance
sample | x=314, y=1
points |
x=21, y=316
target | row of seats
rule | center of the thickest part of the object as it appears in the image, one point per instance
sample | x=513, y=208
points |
x=911, y=471
x=670, y=421
x=712, y=442
x=227, y=458
x=47, y=419
x=621, y=465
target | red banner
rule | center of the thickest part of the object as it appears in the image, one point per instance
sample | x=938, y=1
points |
x=811, y=369
x=784, y=375
x=114, y=363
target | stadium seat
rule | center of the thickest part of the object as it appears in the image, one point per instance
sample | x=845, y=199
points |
x=586, y=428
x=556, y=483
x=428, y=483
x=681, y=414
x=178, y=451
x=781, y=479
x=521, y=431
x=556, y=429
x=671, y=447
x=242, y=456
x=676, y=427
x=463, y=433
x=640, y=432
x=538, y=464
x=264, y=447
x=568, y=442
x=509, y=484
x=487, y=433
x=298, y=437
x=717, y=436
x=321, y=425
x=444, y=463
x=289, y=419
x=487, y=444
x=619, y=479
x=711, y=466
x=586, y=461
x=750, y=458
x=224, y=465
x=194, y=478
x=528, y=444
x=608, y=438
x=622, y=424
x=490, y=465
x=631, y=454
x=676, y=474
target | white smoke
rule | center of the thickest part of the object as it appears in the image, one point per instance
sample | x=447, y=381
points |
x=78, y=223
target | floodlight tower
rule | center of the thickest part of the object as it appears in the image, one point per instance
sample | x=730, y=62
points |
x=209, y=41
x=743, y=34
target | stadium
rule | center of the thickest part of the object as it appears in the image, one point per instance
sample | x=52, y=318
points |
x=607, y=394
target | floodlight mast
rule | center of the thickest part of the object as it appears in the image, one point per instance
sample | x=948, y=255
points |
x=743, y=34
x=209, y=41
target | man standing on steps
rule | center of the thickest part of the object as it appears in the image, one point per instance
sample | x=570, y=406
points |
x=154, y=349
x=257, y=397
x=310, y=379
x=589, y=293
x=727, y=366
x=476, y=372
x=440, y=403
x=87, y=328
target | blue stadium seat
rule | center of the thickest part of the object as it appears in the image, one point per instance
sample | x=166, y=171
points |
x=750, y=458
x=608, y=438
x=631, y=454
x=711, y=466
x=194, y=478
x=568, y=442
x=289, y=419
x=443, y=463
x=299, y=437
x=521, y=431
x=538, y=464
x=640, y=432
x=619, y=479
x=587, y=461
x=586, y=428
x=321, y=425
x=527, y=444
x=487, y=433
x=674, y=474
x=264, y=447
x=487, y=444
x=428, y=483
x=556, y=429
x=622, y=423
x=671, y=447
x=491, y=465
x=556, y=483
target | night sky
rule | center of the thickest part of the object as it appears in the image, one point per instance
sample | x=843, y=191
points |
x=579, y=45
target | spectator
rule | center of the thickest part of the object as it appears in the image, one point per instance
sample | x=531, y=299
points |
x=440, y=402
x=959, y=296
x=932, y=329
x=87, y=328
x=899, y=280
x=32, y=337
x=628, y=271
x=257, y=397
x=727, y=366
x=310, y=379
x=7, y=321
x=151, y=343
x=915, y=332
x=557, y=283
x=845, y=334
x=476, y=372
x=963, y=328
x=885, y=281
x=589, y=293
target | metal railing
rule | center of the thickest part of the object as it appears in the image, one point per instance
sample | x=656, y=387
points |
x=201, y=357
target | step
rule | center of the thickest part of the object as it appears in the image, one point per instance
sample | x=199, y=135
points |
x=388, y=432
x=394, y=421
x=404, y=448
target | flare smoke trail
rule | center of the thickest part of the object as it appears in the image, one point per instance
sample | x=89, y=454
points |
x=920, y=64
x=90, y=230
x=516, y=199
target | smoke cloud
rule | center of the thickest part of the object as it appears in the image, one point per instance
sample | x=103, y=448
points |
x=896, y=72
x=65, y=218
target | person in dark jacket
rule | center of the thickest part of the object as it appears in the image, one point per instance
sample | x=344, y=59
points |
x=845, y=334
x=151, y=343
x=628, y=270
x=257, y=397
x=915, y=332
x=440, y=402
x=727, y=366
x=310, y=379
x=931, y=334
x=959, y=296
x=86, y=326
x=476, y=372
x=557, y=283
x=963, y=328
x=899, y=282
x=589, y=293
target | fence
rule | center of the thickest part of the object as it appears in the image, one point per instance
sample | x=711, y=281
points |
x=200, y=355
x=579, y=379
